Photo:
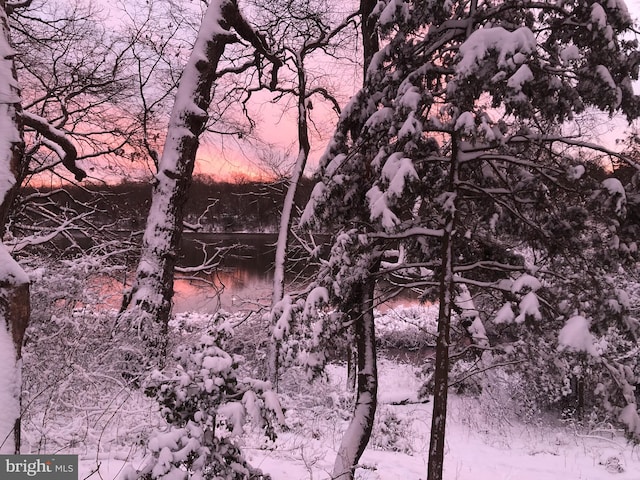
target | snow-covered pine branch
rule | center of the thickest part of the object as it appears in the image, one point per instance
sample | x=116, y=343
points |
x=438, y=125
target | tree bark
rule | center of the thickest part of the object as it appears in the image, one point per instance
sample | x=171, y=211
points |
x=304, y=147
x=446, y=299
x=14, y=318
x=148, y=305
x=14, y=283
x=370, y=42
x=358, y=433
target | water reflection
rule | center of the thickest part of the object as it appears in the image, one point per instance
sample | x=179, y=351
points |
x=243, y=281
x=230, y=289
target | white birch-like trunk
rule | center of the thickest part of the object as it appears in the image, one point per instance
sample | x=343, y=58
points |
x=146, y=309
x=14, y=283
x=304, y=147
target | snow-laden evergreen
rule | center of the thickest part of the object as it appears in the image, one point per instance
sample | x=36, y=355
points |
x=206, y=404
x=454, y=150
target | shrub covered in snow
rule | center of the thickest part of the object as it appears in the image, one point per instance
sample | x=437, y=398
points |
x=74, y=391
x=207, y=404
x=392, y=432
x=408, y=327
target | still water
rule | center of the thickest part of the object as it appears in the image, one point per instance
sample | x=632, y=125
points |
x=244, y=279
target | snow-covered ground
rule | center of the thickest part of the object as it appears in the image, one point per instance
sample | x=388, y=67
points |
x=478, y=448
x=479, y=445
x=77, y=402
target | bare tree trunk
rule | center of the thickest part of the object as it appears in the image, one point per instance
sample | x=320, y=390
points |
x=358, y=433
x=148, y=306
x=304, y=145
x=14, y=283
x=447, y=298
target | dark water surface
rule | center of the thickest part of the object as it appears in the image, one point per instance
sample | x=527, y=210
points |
x=244, y=279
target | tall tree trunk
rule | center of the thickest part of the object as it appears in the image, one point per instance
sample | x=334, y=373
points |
x=358, y=433
x=370, y=45
x=148, y=305
x=446, y=299
x=370, y=42
x=14, y=283
x=304, y=147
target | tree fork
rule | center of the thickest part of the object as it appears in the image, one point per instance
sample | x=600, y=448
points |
x=148, y=306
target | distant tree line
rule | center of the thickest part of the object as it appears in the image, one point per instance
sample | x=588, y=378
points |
x=212, y=206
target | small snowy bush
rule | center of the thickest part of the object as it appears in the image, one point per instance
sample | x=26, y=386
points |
x=207, y=405
x=74, y=394
x=407, y=327
x=392, y=433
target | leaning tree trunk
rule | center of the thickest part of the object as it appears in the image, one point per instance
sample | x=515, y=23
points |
x=446, y=299
x=358, y=433
x=148, y=305
x=14, y=283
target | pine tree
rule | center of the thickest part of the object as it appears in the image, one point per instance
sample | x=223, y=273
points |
x=454, y=150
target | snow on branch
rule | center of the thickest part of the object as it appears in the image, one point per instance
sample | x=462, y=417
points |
x=10, y=272
x=616, y=192
x=10, y=7
x=40, y=239
x=67, y=152
x=234, y=18
x=410, y=232
x=575, y=335
x=574, y=142
x=512, y=48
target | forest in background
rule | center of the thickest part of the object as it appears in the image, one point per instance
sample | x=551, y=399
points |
x=212, y=206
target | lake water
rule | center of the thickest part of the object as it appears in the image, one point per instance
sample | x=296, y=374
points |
x=244, y=280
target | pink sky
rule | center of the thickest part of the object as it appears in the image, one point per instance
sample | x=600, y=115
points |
x=225, y=159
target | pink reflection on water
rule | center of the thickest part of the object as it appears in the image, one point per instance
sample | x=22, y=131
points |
x=231, y=290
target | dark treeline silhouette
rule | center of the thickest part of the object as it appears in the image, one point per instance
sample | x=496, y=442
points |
x=212, y=206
